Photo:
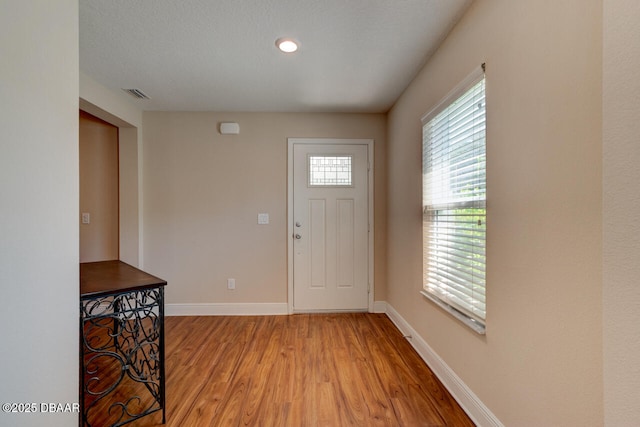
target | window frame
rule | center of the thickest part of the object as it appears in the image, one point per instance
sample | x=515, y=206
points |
x=438, y=293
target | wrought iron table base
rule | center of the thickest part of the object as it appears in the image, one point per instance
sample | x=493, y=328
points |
x=122, y=356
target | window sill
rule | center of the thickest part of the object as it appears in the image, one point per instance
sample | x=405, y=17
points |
x=473, y=324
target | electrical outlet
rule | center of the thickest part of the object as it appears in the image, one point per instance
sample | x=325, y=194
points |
x=231, y=283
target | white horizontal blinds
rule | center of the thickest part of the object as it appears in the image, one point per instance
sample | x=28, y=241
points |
x=454, y=200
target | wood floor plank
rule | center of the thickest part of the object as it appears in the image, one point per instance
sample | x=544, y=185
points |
x=311, y=370
x=352, y=400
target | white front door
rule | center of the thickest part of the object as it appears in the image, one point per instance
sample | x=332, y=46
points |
x=330, y=222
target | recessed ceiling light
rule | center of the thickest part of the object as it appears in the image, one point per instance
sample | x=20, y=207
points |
x=287, y=45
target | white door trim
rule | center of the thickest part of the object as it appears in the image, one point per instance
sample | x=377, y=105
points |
x=290, y=143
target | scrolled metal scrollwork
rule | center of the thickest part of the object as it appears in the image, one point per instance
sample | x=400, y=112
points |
x=121, y=346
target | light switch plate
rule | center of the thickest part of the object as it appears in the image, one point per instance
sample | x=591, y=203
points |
x=263, y=218
x=86, y=218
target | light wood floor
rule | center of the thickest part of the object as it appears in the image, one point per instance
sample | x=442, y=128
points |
x=300, y=370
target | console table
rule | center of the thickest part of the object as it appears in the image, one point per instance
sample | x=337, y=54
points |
x=122, y=374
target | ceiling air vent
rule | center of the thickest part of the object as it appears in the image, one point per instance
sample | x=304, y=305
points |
x=136, y=93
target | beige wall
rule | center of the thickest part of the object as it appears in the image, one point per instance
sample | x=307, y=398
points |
x=540, y=363
x=203, y=191
x=129, y=190
x=39, y=208
x=621, y=204
x=98, y=189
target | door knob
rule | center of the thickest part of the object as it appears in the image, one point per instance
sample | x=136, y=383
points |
x=298, y=237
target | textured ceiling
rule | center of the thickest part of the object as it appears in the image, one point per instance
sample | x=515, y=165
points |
x=220, y=55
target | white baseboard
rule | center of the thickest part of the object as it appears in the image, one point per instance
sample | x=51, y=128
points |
x=379, y=306
x=246, y=309
x=472, y=405
x=226, y=309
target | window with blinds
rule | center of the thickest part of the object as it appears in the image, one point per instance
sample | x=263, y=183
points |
x=454, y=202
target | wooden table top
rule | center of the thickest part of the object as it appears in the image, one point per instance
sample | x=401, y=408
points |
x=107, y=277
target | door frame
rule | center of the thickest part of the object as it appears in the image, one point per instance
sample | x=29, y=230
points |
x=370, y=258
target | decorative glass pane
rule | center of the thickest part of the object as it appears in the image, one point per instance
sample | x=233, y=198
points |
x=330, y=171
